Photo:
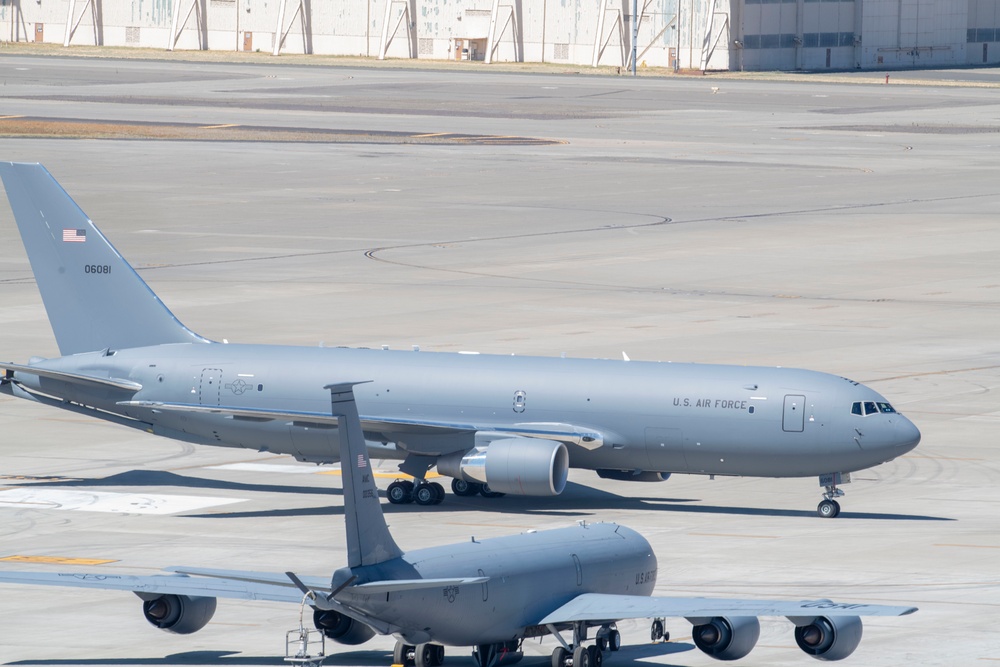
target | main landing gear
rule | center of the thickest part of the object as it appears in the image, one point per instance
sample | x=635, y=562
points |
x=403, y=491
x=829, y=508
x=422, y=492
x=577, y=655
x=421, y=655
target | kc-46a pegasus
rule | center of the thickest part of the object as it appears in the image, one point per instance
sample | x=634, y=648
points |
x=494, y=424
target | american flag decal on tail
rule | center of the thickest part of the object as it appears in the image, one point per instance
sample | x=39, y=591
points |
x=75, y=235
x=361, y=461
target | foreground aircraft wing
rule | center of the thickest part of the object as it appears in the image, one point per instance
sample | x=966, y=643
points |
x=602, y=607
x=158, y=584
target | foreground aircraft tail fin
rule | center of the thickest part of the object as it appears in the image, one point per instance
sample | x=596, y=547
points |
x=94, y=299
x=368, y=538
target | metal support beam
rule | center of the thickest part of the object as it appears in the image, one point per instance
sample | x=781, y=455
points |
x=642, y=16
x=17, y=23
x=510, y=19
x=304, y=12
x=177, y=26
x=411, y=27
x=706, y=42
x=601, y=41
x=96, y=15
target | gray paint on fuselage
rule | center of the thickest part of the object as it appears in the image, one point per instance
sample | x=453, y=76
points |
x=612, y=559
x=706, y=408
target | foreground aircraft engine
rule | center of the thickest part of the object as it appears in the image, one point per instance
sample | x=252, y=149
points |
x=180, y=614
x=340, y=628
x=520, y=466
x=726, y=638
x=828, y=638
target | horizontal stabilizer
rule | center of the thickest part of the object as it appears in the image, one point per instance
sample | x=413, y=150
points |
x=398, y=585
x=269, y=578
x=73, y=378
x=600, y=607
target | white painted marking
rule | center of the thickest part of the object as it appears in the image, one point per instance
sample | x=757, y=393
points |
x=105, y=501
x=272, y=467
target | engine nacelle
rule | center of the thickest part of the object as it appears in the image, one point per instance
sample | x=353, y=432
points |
x=726, y=638
x=179, y=614
x=633, y=475
x=829, y=637
x=340, y=628
x=520, y=466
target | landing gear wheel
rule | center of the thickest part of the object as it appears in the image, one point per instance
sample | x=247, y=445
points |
x=401, y=654
x=559, y=656
x=602, y=644
x=486, y=493
x=424, y=494
x=581, y=657
x=656, y=631
x=596, y=656
x=428, y=655
x=614, y=640
x=828, y=509
x=438, y=492
x=400, y=492
x=462, y=488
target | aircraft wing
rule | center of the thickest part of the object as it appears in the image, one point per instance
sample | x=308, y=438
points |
x=602, y=607
x=393, y=428
x=158, y=584
x=72, y=378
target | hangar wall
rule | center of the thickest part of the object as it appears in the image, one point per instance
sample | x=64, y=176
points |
x=691, y=34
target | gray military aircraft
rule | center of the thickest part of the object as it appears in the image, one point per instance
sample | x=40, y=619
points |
x=489, y=594
x=495, y=424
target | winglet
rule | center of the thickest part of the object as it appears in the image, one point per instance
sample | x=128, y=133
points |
x=94, y=299
x=368, y=539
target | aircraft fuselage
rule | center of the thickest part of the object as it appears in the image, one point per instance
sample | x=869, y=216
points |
x=646, y=416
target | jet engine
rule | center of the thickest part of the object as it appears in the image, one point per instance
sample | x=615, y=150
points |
x=829, y=637
x=340, y=628
x=633, y=475
x=726, y=638
x=180, y=614
x=520, y=466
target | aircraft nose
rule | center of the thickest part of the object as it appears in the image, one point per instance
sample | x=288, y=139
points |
x=907, y=435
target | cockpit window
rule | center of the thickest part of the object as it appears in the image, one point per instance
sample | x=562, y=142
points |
x=865, y=408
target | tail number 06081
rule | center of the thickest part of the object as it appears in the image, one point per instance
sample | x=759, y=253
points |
x=97, y=268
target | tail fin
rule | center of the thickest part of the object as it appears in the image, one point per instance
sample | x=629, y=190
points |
x=94, y=299
x=368, y=538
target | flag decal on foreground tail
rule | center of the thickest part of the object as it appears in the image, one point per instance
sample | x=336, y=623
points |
x=75, y=235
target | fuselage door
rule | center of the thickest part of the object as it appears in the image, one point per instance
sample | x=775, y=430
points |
x=794, y=417
x=209, y=392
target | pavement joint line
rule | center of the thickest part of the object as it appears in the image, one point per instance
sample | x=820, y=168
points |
x=218, y=127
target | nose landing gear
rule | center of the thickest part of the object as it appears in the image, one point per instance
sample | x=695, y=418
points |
x=828, y=507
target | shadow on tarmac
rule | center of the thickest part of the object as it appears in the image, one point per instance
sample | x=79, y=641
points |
x=576, y=501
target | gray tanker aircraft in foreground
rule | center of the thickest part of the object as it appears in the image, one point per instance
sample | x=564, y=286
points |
x=490, y=594
x=495, y=424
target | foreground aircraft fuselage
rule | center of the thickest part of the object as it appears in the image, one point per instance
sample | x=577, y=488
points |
x=495, y=424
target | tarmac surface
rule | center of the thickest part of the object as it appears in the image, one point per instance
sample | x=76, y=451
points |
x=844, y=227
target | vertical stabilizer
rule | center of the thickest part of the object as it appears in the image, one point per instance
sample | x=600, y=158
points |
x=368, y=538
x=94, y=299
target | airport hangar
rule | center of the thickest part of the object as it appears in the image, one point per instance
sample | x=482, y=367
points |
x=687, y=35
